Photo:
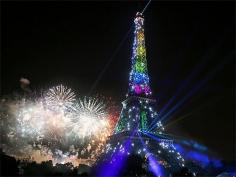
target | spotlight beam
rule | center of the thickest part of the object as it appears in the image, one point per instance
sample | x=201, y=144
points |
x=192, y=112
x=197, y=87
x=153, y=163
x=196, y=70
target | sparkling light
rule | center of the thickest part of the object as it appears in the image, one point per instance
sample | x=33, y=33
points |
x=59, y=97
x=139, y=80
x=42, y=128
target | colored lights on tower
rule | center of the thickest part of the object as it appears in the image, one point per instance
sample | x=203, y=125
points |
x=139, y=80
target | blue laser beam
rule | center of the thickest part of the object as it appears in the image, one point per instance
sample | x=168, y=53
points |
x=193, y=91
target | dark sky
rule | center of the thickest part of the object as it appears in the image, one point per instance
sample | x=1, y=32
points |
x=190, y=53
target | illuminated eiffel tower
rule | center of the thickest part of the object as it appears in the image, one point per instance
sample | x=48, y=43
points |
x=138, y=115
x=137, y=111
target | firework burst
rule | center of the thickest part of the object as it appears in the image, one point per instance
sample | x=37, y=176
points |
x=91, y=118
x=92, y=106
x=60, y=98
x=56, y=126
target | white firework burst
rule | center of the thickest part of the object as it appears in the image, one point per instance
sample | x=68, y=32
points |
x=92, y=106
x=60, y=98
x=91, y=118
x=38, y=129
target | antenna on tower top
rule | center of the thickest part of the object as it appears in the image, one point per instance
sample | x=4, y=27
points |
x=146, y=7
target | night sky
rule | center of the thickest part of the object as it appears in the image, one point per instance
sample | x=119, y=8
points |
x=190, y=54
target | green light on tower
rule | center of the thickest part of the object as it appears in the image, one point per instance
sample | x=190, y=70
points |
x=144, y=120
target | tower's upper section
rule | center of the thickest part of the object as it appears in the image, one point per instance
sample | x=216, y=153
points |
x=139, y=79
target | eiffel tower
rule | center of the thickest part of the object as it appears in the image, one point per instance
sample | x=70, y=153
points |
x=134, y=133
x=137, y=111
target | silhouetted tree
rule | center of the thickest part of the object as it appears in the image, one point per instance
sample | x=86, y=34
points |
x=9, y=165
